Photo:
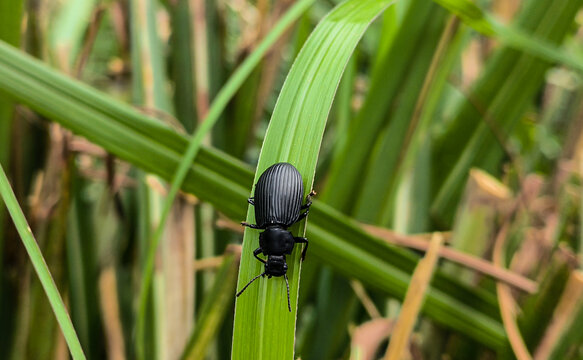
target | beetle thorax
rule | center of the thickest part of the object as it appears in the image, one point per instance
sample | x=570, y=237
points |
x=276, y=240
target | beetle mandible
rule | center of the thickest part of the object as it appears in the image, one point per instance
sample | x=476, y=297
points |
x=278, y=205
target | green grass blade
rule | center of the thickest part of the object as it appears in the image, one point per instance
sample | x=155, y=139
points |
x=40, y=267
x=513, y=37
x=263, y=327
x=149, y=90
x=10, y=19
x=181, y=64
x=215, y=111
x=81, y=262
x=65, y=37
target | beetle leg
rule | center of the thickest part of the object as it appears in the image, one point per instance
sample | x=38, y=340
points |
x=303, y=215
x=250, y=282
x=308, y=200
x=251, y=201
x=252, y=226
x=257, y=252
x=287, y=285
x=302, y=240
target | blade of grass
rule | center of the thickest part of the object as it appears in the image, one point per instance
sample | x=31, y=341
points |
x=108, y=285
x=214, y=112
x=513, y=37
x=10, y=18
x=181, y=68
x=83, y=263
x=69, y=27
x=77, y=277
x=390, y=26
x=40, y=267
x=205, y=234
x=205, y=213
x=149, y=90
x=340, y=116
x=263, y=328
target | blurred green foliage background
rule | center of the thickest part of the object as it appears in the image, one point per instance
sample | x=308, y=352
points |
x=451, y=116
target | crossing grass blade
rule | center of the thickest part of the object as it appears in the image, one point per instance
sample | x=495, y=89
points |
x=263, y=327
x=40, y=267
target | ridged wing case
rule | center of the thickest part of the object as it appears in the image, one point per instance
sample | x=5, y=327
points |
x=278, y=195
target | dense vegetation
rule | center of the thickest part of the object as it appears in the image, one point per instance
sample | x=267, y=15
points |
x=131, y=133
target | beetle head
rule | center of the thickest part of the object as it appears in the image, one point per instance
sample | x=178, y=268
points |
x=275, y=265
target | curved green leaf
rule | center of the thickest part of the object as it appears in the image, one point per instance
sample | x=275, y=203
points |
x=263, y=327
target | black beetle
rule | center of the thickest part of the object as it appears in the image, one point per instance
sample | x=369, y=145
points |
x=278, y=205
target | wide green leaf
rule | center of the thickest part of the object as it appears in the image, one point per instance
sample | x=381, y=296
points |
x=263, y=327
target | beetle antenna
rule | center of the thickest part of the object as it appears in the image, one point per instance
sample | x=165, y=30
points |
x=287, y=285
x=249, y=283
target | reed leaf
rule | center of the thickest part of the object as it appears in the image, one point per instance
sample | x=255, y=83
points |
x=40, y=267
x=263, y=328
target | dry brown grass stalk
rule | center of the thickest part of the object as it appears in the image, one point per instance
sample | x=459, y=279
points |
x=570, y=304
x=111, y=314
x=419, y=242
x=414, y=299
